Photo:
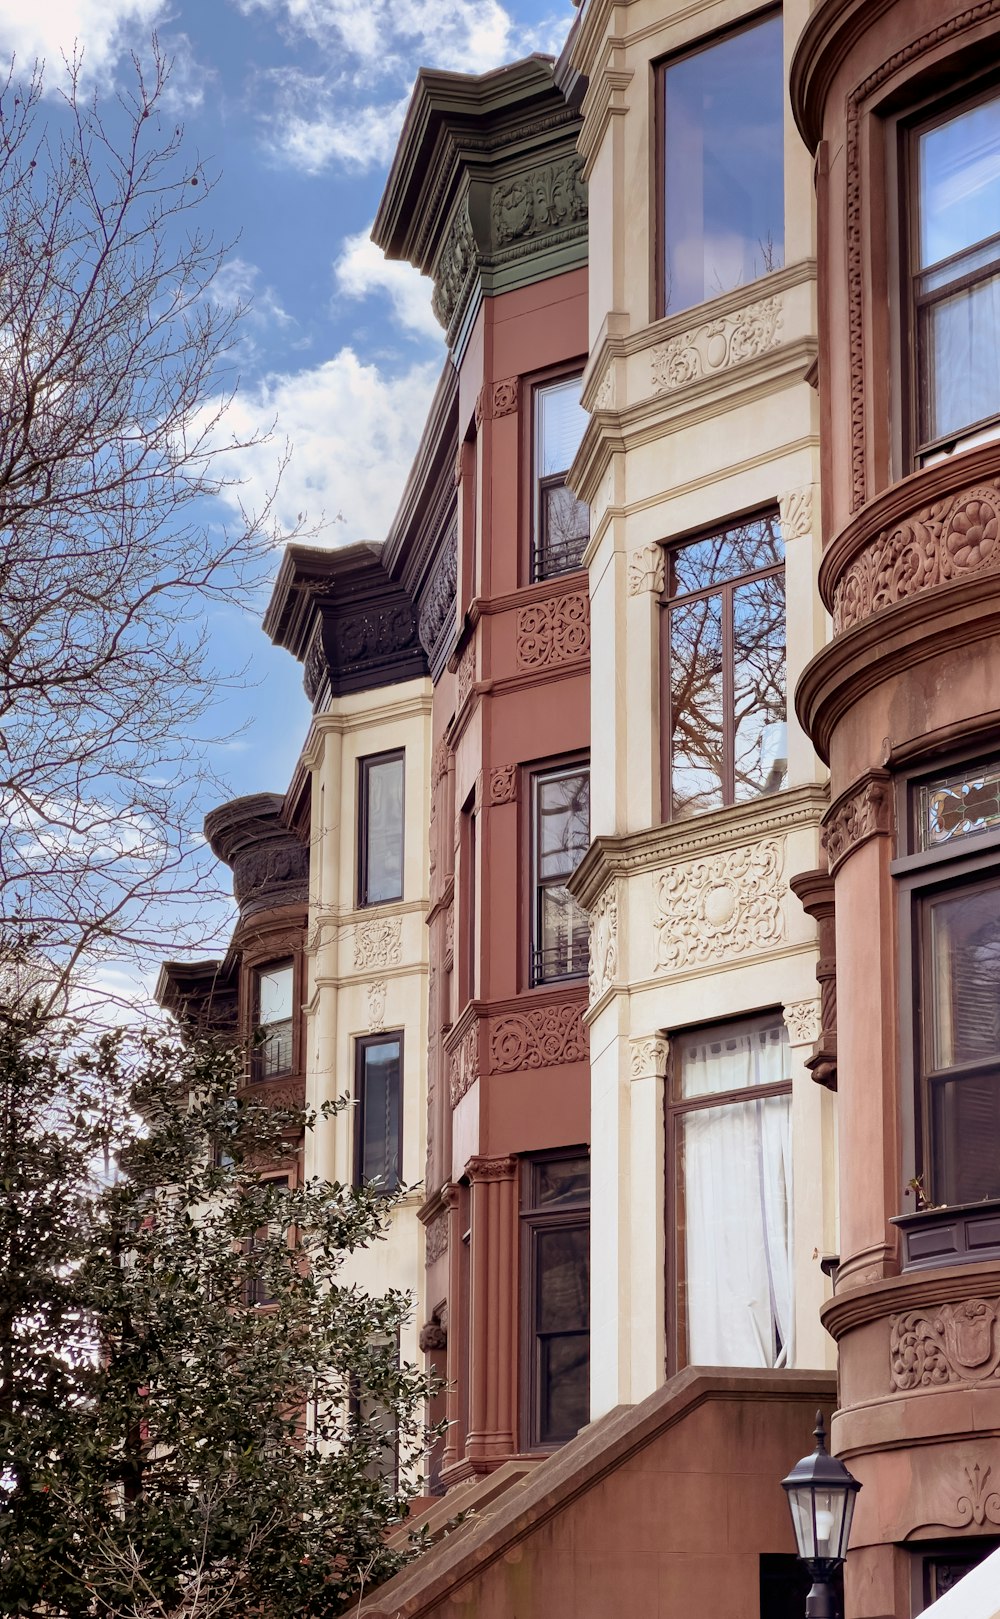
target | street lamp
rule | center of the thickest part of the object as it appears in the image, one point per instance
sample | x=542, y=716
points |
x=821, y=1495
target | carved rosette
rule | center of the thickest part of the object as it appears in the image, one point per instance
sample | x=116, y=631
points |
x=548, y=198
x=726, y=341
x=505, y=395
x=551, y=632
x=865, y=811
x=463, y=1068
x=948, y=540
x=728, y=904
x=802, y=1020
x=604, y=942
x=503, y=784
x=646, y=569
x=376, y=1004
x=795, y=510
x=951, y=1343
x=378, y=943
x=539, y=1039
x=648, y=1057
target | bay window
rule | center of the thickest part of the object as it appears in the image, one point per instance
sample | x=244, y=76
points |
x=729, y=1124
x=723, y=657
x=722, y=149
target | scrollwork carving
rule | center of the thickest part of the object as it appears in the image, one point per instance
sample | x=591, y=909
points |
x=728, y=340
x=539, y=1039
x=376, y=1004
x=463, y=1068
x=505, y=395
x=802, y=1020
x=604, y=398
x=466, y=673
x=727, y=904
x=491, y=1169
x=862, y=813
x=604, y=942
x=951, y=1343
x=436, y=1237
x=545, y=199
x=646, y=570
x=454, y=269
x=555, y=631
x=945, y=541
x=378, y=943
x=438, y=605
x=503, y=784
x=648, y=1057
x=795, y=510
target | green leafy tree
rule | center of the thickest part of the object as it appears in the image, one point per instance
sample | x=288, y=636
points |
x=199, y=1415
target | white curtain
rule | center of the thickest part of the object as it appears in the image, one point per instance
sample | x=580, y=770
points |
x=737, y=1177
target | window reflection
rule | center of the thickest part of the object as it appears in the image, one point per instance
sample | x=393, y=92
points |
x=561, y=522
x=723, y=158
x=561, y=810
x=381, y=875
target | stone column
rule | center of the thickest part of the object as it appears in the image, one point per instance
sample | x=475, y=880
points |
x=493, y=1316
x=456, y=1329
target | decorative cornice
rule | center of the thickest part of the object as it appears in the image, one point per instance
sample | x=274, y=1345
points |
x=884, y=1296
x=437, y=624
x=718, y=906
x=270, y=865
x=864, y=811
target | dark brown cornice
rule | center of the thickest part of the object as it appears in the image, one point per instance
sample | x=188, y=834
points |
x=269, y=864
x=831, y=32
x=351, y=626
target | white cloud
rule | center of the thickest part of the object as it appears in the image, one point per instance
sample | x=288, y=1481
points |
x=237, y=282
x=353, y=432
x=361, y=270
x=48, y=29
x=348, y=107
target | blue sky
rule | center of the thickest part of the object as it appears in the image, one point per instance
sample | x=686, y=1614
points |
x=296, y=105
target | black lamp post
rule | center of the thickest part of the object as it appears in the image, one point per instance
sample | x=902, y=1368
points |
x=821, y=1496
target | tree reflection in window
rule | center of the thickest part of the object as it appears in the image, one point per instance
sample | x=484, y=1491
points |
x=724, y=654
x=561, y=816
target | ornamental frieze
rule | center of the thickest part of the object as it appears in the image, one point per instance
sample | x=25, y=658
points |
x=728, y=904
x=951, y=539
x=463, y=1066
x=437, y=609
x=545, y=199
x=538, y=1039
x=705, y=350
x=555, y=631
x=951, y=1343
x=378, y=943
x=604, y=942
x=454, y=268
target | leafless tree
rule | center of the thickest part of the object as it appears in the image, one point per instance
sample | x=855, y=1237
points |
x=116, y=370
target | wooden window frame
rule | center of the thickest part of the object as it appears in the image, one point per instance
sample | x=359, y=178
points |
x=533, y=1219
x=252, y=1301
x=362, y=1043
x=928, y=114
x=675, y=1109
x=658, y=209
x=725, y=589
x=533, y=384
x=921, y=875
x=537, y=772
x=365, y=765
x=257, y=968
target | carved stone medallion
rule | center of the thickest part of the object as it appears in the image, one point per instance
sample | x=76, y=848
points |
x=727, y=904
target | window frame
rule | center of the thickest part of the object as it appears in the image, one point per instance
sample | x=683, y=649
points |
x=533, y=1219
x=251, y=1299
x=658, y=209
x=534, y=384
x=365, y=765
x=362, y=1043
x=257, y=970
x=920, y=876
x=725, y=588
x=538, y=771
x=675, y=1109
x=926, y=114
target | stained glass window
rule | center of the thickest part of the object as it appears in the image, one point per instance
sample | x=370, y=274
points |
x=958, y=806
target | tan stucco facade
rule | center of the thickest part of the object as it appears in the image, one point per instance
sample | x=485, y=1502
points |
x=696, y=417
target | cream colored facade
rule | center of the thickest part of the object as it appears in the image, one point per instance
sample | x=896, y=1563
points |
x=367, y=969
x=695, y=417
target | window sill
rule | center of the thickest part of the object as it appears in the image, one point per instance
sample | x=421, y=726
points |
x=956, y=1234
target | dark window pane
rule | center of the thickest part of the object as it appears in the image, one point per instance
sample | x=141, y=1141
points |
x=964, y=940
x=696, y=706
x=723, y=166
x=563, y=930
x=743, y=548
x=565, y=530
x=959, y=187
x=561, y=808
x=563, y=1279
x=965, y=1118
x=761, y=743
x=274, y=986
x=564, y=1387
x=379, y=1122
x=383, y=827
x=558, y=1181
x=958, y=805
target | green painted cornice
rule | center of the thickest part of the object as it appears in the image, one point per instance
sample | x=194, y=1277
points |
x=485, y=193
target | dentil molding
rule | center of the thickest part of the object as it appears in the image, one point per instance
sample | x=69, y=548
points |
x=728, y=904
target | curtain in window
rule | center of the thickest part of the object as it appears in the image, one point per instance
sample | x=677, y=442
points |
x=737, y=1179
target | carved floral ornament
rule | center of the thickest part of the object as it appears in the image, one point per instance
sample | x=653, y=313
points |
x=727, y=904
x=648, y=1057
x=503, y=784
x=951, y=1343
x=705, y=350
x=795, y=510
x=555, y=631
x=378, y=943
x=539, y=1039
x=376, y=1005
x=646, y=568
x=547, y=198
x=802, y=1020
x=463, y=1068
x=864, y=812
x=948, y=540
x=437, y=1237
x=505, y=394
x=604, y=942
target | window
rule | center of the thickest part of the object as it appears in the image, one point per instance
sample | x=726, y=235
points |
x=560, y=522
x=951, y=891
x=256, y=1288
x=378, y=1084
x=723, y=165
x=556, y=1309
x=560, y=810
x=380, y=830
x=955, y=277
x=729, y=1121
x=273, y=1009
x=725, y=738
x=373, y=1423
